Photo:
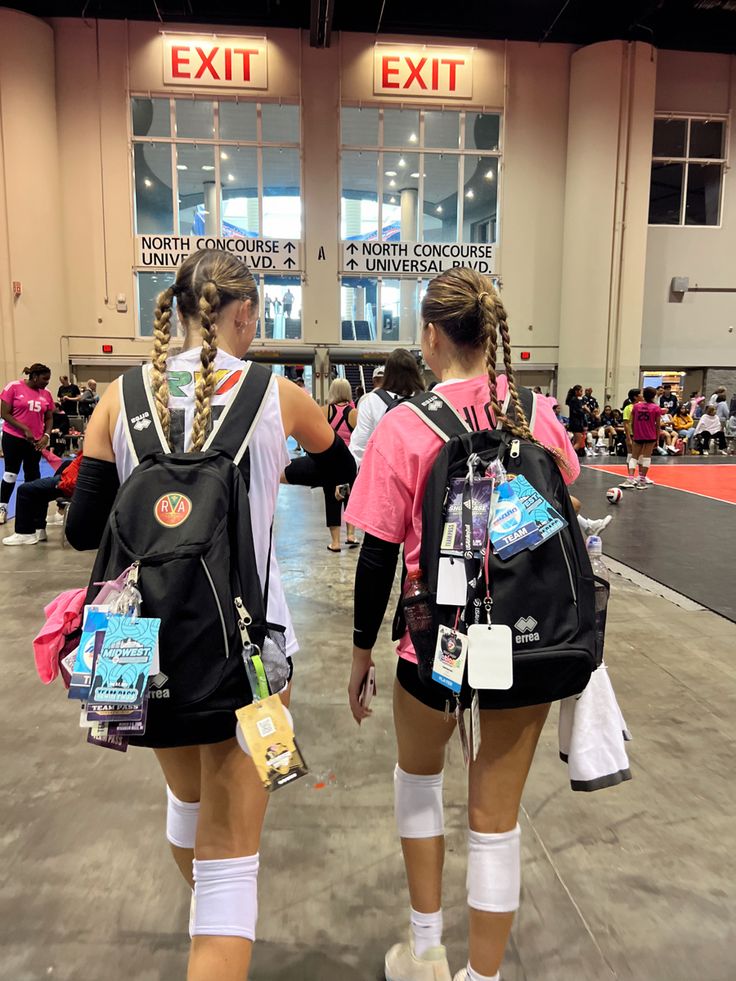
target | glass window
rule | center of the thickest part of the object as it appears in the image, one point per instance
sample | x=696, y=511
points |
x=149, y=286
x=359, y=219
x=401, y=127
x=442, y=130
x=281, y=124
x=195, y=119
x=195, y=167
x=282, y=204
x=239, y=177
x=359, y=306
x=440, y=197
x=153, y=202
x=706, y=139
x=239, y=121
x=702, y=204
x=401, y=183
x=665, y=194
x=282, y=308
x=480, y=199
x=482, y=131
x=151, y=117
x=670, y=138
x=399, y=310
x=359, y=126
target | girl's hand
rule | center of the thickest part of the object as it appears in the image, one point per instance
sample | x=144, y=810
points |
x=362, y=661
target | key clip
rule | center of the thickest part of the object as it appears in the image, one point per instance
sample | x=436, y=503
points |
x=129, y=601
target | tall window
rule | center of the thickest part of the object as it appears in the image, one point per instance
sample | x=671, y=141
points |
x=688, y=163
x=417, y=176
x=219, y=168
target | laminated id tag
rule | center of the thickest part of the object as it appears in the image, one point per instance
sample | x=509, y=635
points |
x=452, y=583
x=490, y=657
x=271, y=744
x=449, y=658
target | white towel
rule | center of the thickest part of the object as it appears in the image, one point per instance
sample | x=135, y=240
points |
x=592, y=734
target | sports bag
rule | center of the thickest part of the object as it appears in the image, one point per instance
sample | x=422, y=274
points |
x=546, y=596
x=185, y=519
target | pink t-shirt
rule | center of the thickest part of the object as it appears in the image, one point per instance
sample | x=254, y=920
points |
x=28, y=405
x=337, y=422
x=644, y=417
x=386, y=500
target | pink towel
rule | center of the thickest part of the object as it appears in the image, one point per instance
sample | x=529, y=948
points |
x=52, y=458
x=63, y=616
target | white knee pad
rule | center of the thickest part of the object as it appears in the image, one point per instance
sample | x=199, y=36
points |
x=241, y=738
x=418, y=804
x=225, y=897
x=181, y=821
x=631, y=462
x=494, y=871
x=10, y=478
x=645, y=461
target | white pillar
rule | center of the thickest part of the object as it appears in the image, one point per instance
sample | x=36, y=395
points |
x=210, y=207
x=408, y=288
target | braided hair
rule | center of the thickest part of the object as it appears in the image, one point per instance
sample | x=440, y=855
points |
x=207, y=280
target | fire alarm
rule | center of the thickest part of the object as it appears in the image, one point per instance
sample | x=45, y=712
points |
x=107, y=348
x=17, y=288
x=526, y=355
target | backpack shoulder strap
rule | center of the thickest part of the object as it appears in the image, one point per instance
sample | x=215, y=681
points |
x=528, y=403
x=142, y=425
x=437, y=413
x=384, y=397
x=237, y=423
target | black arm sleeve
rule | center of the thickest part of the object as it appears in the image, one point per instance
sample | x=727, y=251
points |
x=374, y=578
x=94, y=494
x=328, y=469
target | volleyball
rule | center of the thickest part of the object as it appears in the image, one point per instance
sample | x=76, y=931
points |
x=614, y=495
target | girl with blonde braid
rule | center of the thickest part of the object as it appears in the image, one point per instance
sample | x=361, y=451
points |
x=461, y=314
x=216, y=802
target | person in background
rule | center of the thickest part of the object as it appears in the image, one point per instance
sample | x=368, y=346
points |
x=709, y=427
x=578, y=418
x=288, y=302
x=558, y=412
x=69, y=395
x=33, y=501
x=342, y=417
x=359, y=393
x=722, y=409
x=714, y=397
x=645, y=431
x=667, y=435
x=59, y=429
x=27, y=410
x=607, y=429
x=668, y=400
x=634, y=397
x=400, y=379
x=590, y=401
x=683, y=424
x=89, y=399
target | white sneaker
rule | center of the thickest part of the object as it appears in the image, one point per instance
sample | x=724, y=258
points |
x=705, y=453
x=41, y=535
x=462, y=975
x=3, y=513
x=649, y=481
x=597, y=525
x=55, y=519
x=628, y=483
x=17, y=539
x=722, y=453
x=402, y=965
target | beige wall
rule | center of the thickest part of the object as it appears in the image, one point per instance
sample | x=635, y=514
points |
x=694, y=331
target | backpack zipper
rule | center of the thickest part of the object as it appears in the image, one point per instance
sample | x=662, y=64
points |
x=569, y=571
x=244, y=620
x=219, y=605
x=515, y=448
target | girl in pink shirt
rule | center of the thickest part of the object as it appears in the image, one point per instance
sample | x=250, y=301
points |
x=27, y=413
x=342, y=417
x=461, y=313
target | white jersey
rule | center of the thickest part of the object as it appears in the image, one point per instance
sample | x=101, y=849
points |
x=268, y=458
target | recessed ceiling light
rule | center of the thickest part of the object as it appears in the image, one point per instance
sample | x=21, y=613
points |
x=439, y=209
x=415, y=174
x=207, y=167
x=231, y=177
x=392, y=183
x=223, y=156
x=402, y=162
x=182, y=167
x=470, y=193
x=413, y=138
x=391, y=173
x=147, y=182
x=392, y=200
x=490, y=175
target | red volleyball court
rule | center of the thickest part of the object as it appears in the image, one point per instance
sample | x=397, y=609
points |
x=716, y=481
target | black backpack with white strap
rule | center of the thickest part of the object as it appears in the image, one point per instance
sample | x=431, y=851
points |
x=185, y=518
x=546, y=596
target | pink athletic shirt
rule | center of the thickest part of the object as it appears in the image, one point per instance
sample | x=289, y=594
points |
x=341, y=428
x=386, y=500
x=644, y=417
x=28, y=405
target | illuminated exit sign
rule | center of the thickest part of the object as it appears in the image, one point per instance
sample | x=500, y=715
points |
x=430, y=72
x=219, y=62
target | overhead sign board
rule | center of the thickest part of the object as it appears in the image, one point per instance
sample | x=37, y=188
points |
x=416, y=258
x=216, y=62
x=423, y=71
x=282, y=255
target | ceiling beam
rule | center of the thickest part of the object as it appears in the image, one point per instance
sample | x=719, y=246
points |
x=320, y=23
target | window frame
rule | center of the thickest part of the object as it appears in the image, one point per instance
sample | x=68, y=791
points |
x=686, y=160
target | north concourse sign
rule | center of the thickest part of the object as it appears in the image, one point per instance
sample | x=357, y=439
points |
x=216, y=62
x=282, y=255
x=422, y=71
x=416, y=258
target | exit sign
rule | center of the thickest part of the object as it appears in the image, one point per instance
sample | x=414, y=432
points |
x=219, y=62
x=423, y=71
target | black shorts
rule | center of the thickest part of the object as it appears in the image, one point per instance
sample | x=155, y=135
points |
x=434, y=696
x=198, y=725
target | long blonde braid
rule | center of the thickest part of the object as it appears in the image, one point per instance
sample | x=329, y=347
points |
x=161, y=338
x=209, y=304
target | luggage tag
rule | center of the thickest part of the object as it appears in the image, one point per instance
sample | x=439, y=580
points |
x=271, y=743
x=449, y=658
x=490, y=657
x=452, y=585
x=474, y=726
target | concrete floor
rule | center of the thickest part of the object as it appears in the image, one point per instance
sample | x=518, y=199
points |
x=635, y=882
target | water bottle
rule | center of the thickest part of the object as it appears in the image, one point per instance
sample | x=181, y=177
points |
x=602, y=589
x=419, y=617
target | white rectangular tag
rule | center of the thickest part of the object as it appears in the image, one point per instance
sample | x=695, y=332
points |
x=449, y=658
x=452, y=585
x=490, y=657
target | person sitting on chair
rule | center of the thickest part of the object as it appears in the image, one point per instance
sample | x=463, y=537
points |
x=33, y=499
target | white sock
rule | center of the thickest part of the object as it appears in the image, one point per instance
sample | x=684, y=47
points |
x=474, y=976
x=426, y=931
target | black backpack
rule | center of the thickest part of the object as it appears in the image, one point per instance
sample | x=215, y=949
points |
x=185, y=518
x=390, y=401
x=546, y=596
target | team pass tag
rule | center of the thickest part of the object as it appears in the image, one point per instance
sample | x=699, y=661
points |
x=422, y=70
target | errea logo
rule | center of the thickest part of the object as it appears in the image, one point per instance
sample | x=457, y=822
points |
x=158, y=687
x=141, y=422
x=527, y=630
